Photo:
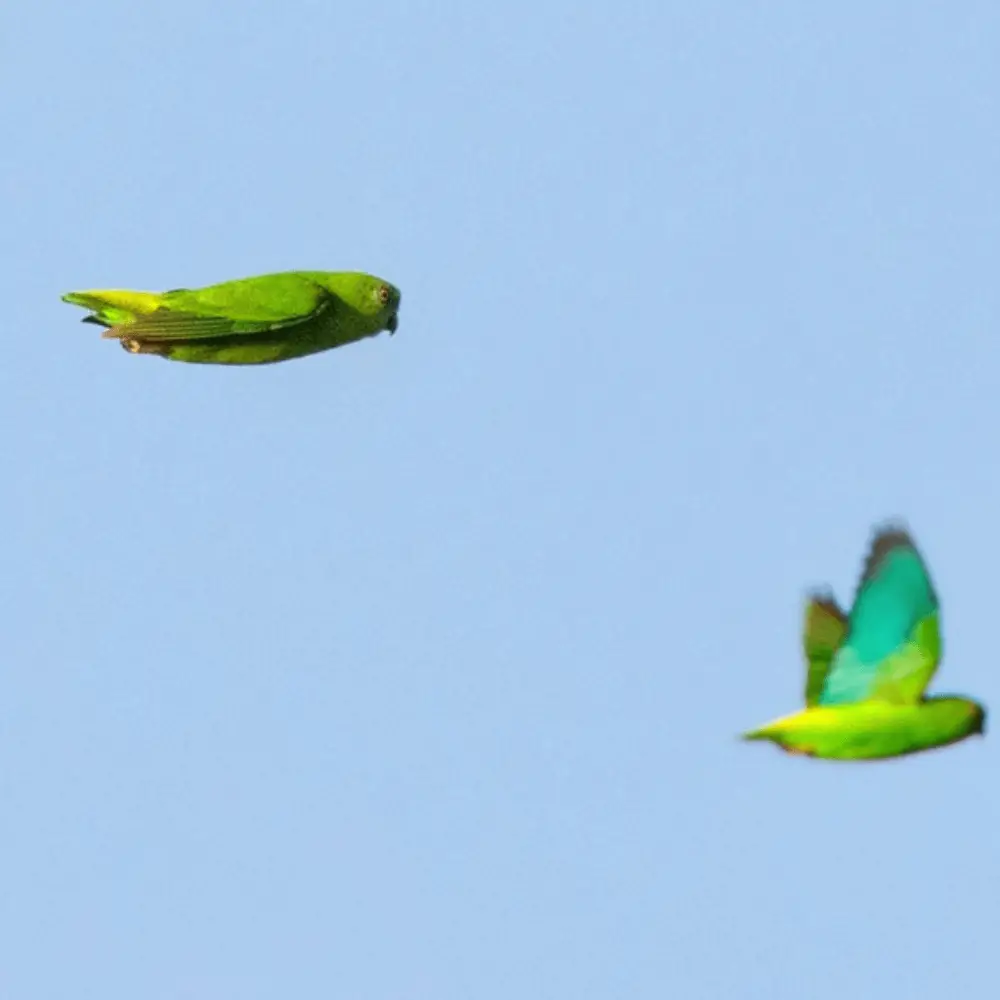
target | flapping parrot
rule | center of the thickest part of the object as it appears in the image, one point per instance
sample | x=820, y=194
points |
x=867, y=671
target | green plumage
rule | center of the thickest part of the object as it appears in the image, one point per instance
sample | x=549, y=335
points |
x=252, y=321
x=866, y=673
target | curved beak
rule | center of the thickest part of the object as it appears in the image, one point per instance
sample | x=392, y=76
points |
x=393, y=324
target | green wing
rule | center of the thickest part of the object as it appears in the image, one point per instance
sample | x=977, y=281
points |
x=250, y=306
x=893, y=643
x=822, y=635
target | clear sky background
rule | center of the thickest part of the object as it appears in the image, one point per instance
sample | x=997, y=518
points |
x=414, y=669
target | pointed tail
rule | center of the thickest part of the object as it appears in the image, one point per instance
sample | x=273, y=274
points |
x=114, y=307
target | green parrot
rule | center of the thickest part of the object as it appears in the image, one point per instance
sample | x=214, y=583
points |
x=866, y=672
x=253, y=321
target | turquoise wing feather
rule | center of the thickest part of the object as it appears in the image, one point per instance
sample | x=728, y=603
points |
x=893, y=642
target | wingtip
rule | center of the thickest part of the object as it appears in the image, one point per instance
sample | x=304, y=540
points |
x=824, y=597
x=892, y=528
x=887, y=536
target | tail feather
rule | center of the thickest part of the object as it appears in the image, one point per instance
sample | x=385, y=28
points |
x=114, y=307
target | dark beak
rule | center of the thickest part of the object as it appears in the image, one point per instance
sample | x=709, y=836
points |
x=393, y=324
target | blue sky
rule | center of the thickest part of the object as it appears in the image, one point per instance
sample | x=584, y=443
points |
x=413, y=669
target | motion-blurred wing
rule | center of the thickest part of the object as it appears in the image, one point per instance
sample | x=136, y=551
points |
x=893, y=643
x=823, y=633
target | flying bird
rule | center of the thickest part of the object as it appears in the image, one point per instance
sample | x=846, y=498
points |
x=252, y=321
x=867, y=671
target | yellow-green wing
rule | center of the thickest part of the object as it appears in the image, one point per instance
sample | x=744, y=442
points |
x=823, y=634
x=249, y=306
x=893, y=642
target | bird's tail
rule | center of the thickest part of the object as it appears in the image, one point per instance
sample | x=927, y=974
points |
x=777, y=729
x=755, y=734
x=114, y=307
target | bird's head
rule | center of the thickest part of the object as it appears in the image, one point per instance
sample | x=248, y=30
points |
x=979, y=719
x=372, y=299
x=386, y=298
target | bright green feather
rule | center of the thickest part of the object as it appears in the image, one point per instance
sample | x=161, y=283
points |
x=874, y=730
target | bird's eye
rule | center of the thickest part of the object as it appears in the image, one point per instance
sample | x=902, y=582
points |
x=383, y=295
